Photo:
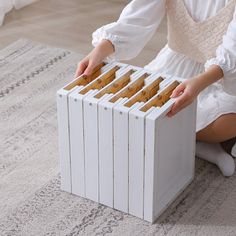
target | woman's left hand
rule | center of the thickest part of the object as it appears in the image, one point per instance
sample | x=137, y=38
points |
x=185, y=93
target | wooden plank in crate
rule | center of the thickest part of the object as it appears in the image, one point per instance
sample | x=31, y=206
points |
x=137, y=127
x=105, y=134
x=90, y=117
x=121, y=132
x=77, y=132
x=169, y=156
x=63, y=123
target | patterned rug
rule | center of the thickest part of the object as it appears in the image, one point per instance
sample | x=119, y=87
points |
x=31, y=200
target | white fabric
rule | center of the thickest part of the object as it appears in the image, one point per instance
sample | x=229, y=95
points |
x=138, y=23
x=7, y=5
x=21, y=3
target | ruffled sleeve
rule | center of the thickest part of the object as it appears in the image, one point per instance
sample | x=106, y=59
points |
x=134, y=28
x=226, y=58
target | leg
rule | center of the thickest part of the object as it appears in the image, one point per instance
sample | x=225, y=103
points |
x=220, y=130
x=208, y=146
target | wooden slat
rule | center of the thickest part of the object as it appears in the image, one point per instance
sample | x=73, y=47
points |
x=145, y=94
x=102, y=81
x=116, y=85
x=84, y=80
x=161, y=98
x=131, y=90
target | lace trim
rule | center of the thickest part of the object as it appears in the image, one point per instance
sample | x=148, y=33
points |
x=197, y=40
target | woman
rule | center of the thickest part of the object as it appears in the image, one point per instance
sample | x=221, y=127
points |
x=201, y=49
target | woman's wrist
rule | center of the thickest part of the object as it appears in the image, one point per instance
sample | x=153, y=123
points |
x=106, y=48
x=212, y=75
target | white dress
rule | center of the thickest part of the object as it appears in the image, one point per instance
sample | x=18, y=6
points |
x=138, y=23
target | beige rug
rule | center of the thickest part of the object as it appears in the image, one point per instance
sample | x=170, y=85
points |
x=31, y=202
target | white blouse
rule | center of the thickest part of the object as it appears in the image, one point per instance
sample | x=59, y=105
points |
x=140, y=19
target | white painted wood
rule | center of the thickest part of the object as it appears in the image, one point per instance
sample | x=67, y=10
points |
x=105, y=155
x=77, y=132
x=77, y=141
x=166, y=82
x=106, y=138
x=106, y=144
x=64, y=127
x=121, y=134
x=169, y=157
x=136, y=161
x=121, y=160
x=91, y=142
x=91, y=149
x=63, y=140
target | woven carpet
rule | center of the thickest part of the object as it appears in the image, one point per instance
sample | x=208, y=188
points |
x=31, y=202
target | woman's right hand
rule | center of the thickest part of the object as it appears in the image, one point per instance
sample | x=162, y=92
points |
x=94, y=58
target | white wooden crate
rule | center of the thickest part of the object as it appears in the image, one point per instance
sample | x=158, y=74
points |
x=116, y=144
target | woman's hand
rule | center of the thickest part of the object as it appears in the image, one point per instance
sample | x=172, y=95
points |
x=186, y=92
x=94, y=58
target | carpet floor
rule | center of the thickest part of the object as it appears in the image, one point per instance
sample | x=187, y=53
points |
x=31, y=202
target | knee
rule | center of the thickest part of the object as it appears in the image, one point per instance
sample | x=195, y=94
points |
x=220, y=130
x=224, y=127
x=225, y=124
